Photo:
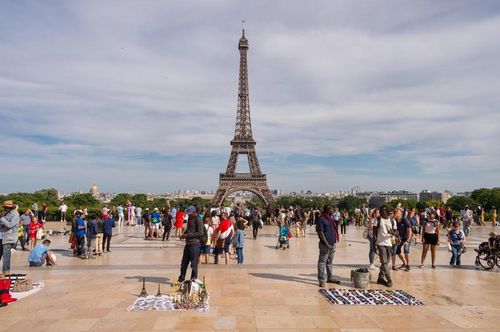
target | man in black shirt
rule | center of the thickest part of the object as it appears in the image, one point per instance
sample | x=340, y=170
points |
x=191, y=254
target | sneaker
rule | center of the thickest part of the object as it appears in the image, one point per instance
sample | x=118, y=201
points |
x=407, y=268
x=373, y=267
x=381, y=281
x=322, y=284
x=433, y=266
x=389, y=283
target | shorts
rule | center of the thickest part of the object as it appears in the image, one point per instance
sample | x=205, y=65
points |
x=396, y=250
x=431, y=239
x=205, y=249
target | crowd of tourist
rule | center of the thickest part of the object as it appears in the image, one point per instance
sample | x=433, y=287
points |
x=217, y=233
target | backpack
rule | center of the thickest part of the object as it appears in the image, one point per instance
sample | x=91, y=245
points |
x=204, y=236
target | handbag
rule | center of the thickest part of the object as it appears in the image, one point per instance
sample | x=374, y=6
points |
x=23, y=286
x=39, y=234
x=261, y=223
x=365, y=233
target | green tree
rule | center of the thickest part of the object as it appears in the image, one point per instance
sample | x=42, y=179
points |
x=407, y=204
x=121, y=199
x=457, y=203
x=349, y=203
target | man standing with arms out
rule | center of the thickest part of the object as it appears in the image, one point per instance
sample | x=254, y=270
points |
x=328, y=234
x=9, y=222
x=194, y=232
x=383, y=231
x=63, y=208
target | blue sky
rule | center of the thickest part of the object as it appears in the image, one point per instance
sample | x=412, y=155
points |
x=141, y=95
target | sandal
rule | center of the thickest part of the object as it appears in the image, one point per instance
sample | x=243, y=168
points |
x=421, y=266
x=394, y=268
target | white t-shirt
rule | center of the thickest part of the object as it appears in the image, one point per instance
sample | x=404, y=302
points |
x=63, y=208
x=384, y=238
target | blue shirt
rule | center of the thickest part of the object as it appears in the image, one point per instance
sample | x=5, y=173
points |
x=36, y=254
x=328, y=228
x=26, y=219
x=403, y=226
x=80, y=223
x=109, y=223
x=456, y=238
x=239, y=239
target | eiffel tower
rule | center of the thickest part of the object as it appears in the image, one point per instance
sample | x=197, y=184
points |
x=243, y=144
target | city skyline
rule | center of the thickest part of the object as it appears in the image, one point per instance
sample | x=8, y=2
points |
x=143, y=97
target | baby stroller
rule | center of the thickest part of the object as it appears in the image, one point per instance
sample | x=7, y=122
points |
x=488, y=254
x=283, y=238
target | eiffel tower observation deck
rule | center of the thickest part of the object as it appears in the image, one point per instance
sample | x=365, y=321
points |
x=243, y=143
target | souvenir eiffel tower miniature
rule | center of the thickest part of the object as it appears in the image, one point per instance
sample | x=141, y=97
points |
x=159, y=291
x=144, y=293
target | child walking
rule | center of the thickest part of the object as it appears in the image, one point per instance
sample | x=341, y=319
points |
x=34, y=227
x=239, y=240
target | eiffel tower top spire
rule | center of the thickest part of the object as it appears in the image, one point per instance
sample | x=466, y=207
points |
x=243, y=130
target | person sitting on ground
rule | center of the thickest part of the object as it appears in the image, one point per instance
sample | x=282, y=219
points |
x=41, y=255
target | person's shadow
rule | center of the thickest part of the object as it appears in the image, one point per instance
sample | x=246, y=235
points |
x=155, y=280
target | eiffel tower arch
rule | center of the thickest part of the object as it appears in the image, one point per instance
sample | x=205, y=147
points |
x=243, y=144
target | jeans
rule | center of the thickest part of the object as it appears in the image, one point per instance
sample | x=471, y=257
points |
x=139, y=220
x=191, y=255
x=239, y=252
x=5, y=254
x=26, y=234
x=80, y=245
x=371, y=254
x=456, y=253
x=466, y=227
x=325, y=262
x=385, y=256
x=106, y=240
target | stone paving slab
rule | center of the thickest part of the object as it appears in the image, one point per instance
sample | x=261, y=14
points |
x=275, y=290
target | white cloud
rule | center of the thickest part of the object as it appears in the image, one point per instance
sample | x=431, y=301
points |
x=416, y=81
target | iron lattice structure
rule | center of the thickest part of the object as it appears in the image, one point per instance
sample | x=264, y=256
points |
x=243, y=144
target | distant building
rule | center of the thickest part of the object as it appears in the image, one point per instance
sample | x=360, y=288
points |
x=94, y=191
x=394, y=195
x=427, y=195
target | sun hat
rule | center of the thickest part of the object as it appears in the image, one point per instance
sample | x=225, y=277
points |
x=493, y=234
x=156, y=209
x=9, y=203
x=78, y=211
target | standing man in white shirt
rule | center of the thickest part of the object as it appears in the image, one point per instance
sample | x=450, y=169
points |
x=383, y=232
x=63, y=208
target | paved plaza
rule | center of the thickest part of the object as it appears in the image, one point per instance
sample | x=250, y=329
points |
x=274, y=290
